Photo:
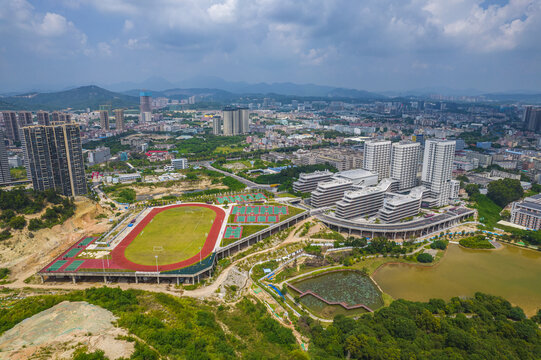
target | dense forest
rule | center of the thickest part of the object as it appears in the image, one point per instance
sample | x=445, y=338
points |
x=483, y=327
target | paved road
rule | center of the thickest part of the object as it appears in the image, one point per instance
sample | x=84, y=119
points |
x=246, y=182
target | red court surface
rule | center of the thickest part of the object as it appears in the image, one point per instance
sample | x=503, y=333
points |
x=118, y=253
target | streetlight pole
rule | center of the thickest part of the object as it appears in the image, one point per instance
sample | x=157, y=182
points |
x=157, y=271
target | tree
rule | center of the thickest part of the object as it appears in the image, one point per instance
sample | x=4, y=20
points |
x=17, y=222
x=439, y=244
x=472, y=189
x=504, y=191
x=425, y=258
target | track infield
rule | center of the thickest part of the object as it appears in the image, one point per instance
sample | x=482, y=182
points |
x=173, y=233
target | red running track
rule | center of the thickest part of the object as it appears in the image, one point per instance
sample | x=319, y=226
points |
x=120, y=261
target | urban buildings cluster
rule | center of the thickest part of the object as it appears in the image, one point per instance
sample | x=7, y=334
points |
x=234, y=121
x=388, y=186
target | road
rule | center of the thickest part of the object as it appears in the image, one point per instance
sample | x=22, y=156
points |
x=246, y=182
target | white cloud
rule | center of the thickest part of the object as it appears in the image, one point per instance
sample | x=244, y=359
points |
x=104, y=49
x=24, y=29
x=53, y=25
x=494, y=28
x=128, y=25
x=223, y=12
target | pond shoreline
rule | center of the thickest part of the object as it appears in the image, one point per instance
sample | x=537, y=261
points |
x=510, y=272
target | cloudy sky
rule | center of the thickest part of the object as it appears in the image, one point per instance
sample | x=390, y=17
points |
x=490, y=45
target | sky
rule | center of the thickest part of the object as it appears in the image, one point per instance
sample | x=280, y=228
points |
x=374, y=45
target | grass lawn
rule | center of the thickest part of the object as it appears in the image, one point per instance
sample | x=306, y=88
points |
x=489, y=212
x=174, y=235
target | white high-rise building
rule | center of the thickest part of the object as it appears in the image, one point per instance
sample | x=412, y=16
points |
x=404, y=164
x=437, y=171
x=377, y=157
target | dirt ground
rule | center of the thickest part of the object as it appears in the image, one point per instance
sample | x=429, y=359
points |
x=235, y=166
x=178, y=187
x=56, y=333
x=25, y=255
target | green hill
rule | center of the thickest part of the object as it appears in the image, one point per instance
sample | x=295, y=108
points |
x=79, y=98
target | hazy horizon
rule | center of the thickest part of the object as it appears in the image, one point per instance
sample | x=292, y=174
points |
x=373, y=45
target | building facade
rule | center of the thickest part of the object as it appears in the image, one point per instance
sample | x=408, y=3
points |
x=179, y=164
x=25, y=118
x=527, y=212
x=377, y=157
x=145, y=99
x=437, y=172
x=404, y=164
x=5, y=175
x=308, y=181
x=119, y=119
x=55, y=158
x=12, y=126
x=235, y=121
x=104, y=119
x=329, y=193
x=43, y=118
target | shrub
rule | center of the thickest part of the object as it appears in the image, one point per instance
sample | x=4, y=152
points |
x=425, y=258
x=17, y=222
x=4, y=235
x=439, y=244
x=476, y=242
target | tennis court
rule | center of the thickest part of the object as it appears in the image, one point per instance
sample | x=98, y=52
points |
x=57, y=265
x=259, y=210
x=72, y=253
x=256, y=219
x=233, y=232
x=240, y=198
x=74, y=265
x=86, y=241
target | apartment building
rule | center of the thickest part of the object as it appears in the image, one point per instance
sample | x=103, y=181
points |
x=527, y=212
x=308, y=181
x=404, y=164
x=329, y=193
x=377, y=157
x=397, y=206
x=55, y=158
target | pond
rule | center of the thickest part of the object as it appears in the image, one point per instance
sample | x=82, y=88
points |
x=510, y=272
x=348, y=287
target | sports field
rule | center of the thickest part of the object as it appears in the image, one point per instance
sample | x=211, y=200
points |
x=173, y=235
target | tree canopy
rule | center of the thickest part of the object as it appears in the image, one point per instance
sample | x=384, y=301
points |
x=504, y=191
x=483, y=327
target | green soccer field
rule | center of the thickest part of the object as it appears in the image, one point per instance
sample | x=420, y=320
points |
x=174, y=235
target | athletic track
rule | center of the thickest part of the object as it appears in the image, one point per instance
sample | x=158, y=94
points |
x=121, y=262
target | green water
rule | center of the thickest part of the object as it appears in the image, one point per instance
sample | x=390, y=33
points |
x=350, y=287
x=511, y=272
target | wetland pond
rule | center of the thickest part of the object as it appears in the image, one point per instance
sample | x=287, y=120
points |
x=511, y=272
x=348, y=287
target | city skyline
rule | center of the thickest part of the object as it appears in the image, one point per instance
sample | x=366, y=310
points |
x=486, y=45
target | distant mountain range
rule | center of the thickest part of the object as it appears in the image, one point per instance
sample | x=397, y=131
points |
x=219, y=91
x=244, y=88
x=79, y=98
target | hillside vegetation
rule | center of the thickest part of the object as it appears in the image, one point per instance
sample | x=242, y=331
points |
x=79, y=98
x=176, y=328
x=484, y=327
